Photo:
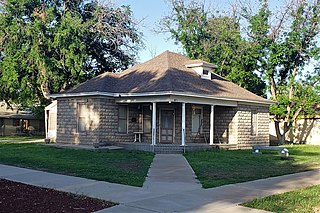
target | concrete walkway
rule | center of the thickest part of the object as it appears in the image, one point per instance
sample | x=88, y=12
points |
x=170, y=173
x=176, y=191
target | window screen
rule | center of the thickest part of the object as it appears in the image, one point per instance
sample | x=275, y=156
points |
x=82, y=117
x=254, y=123
x=123, y=119
x=197, y=120
x=147, y=119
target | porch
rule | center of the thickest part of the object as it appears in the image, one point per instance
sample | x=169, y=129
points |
x=177, y=122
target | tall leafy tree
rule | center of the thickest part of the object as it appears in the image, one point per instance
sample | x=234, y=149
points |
x=278, y=46
x=51, y=45
x=284, y=49
x=216, y=39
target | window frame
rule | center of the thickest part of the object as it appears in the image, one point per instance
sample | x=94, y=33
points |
x=201, y=119
x=16, y=122
x=143, y=119
x=78, y=117
x=126, y=119
x=254, y=123
x=205, y=72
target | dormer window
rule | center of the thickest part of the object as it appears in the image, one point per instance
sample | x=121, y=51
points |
x=204, y=69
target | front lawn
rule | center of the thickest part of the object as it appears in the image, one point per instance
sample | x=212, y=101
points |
x=220, y=167
x=22, y=138
x=302, y=200
x=117, y=166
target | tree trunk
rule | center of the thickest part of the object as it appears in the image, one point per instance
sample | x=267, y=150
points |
x=281, y=137
x=273, y=88
x=44, y=84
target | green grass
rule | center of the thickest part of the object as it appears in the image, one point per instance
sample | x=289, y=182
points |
x=23, y=138
x=220, y=167
x=303, y=200
x=117, y=166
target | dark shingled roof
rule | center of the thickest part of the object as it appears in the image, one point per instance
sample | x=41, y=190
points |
x=165, y=73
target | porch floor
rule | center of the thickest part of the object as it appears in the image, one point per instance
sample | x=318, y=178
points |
x=174, y=148
x=158, y=148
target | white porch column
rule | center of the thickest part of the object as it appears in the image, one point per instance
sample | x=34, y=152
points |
x=211, y=124
x=154, y=123
x=183, y=125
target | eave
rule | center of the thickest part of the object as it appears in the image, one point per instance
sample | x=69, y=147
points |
x=165, y=96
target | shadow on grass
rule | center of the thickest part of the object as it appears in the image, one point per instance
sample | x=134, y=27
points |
x=221, y=167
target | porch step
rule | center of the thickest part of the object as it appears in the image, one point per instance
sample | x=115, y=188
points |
x=225, y=146
x=168, y=149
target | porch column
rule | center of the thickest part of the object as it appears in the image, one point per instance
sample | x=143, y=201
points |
x=211, y=124
x=154, y=123
x=183, y=125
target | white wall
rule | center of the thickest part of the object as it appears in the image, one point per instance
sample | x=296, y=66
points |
x=303, y=131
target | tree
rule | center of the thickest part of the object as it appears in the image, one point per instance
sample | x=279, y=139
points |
x=49, y=46
x=278, y=45
x=284, y=49
x=216, y=39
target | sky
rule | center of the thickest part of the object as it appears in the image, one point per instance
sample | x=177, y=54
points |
x=151, y=12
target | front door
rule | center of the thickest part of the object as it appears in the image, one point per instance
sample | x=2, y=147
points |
x=166, y=126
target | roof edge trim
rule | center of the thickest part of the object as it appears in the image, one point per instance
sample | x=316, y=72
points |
x=118, y=95
x=202, y=64
x=65, y=95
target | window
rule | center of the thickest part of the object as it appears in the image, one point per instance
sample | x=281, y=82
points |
x=16, y=122
x=123, y=119
x=146, y=119
x=254, y=123
x=205, y=72
x=196, y=120
x=82, y=117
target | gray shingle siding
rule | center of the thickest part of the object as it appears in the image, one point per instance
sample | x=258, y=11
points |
x=232, y=124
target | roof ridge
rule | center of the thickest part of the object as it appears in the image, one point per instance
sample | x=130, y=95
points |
x=169, y=66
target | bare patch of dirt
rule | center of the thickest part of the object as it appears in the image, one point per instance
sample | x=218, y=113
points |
x=18, y=197
x=129, y=166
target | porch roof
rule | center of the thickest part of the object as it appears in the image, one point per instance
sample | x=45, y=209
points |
x=165, y=74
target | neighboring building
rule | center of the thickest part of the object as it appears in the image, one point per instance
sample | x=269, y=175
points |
x=304, y=131
x=169, y=99
x=16, y=122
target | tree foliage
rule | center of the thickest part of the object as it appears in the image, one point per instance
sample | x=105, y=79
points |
x=51, y=45
x=284, y=49
x=276, y=44
x=216, y=39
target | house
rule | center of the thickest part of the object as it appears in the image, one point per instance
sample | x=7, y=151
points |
x=169, y=99
x=19, y=122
